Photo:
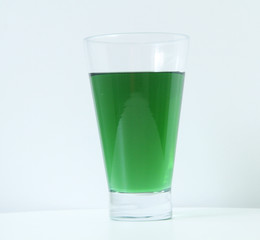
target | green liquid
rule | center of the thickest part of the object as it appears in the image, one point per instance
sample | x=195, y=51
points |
x=138, y=115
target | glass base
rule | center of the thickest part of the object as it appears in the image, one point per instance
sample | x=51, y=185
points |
x=141, y=206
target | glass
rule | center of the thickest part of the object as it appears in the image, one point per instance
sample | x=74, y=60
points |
x=137, y=82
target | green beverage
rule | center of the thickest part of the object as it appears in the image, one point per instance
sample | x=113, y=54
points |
x=138, y=116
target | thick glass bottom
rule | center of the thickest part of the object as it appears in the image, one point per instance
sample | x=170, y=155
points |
x=141, y=206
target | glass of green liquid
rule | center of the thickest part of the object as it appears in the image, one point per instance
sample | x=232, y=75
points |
x=137, y=82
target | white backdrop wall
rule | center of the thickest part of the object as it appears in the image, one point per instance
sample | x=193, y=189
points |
x=50, y=156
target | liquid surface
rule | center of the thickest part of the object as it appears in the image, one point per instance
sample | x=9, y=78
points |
x=138, y=116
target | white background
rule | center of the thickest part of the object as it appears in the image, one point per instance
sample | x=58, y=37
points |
x=50, y=156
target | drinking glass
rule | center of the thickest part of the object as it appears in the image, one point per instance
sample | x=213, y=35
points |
x=137, y=82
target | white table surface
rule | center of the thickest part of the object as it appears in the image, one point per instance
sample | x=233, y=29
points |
x=187, y=224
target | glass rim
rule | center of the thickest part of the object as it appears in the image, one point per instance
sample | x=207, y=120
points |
x=104, y=38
